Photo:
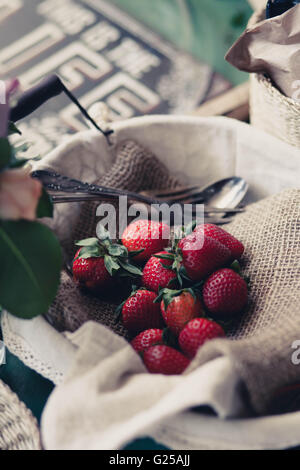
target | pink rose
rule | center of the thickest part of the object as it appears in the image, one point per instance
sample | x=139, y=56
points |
x=10, y=88
x=19, y=194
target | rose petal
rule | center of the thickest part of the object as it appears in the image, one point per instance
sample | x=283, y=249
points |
x=19, y=194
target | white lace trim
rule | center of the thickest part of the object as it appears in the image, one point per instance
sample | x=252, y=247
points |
x=18, y=346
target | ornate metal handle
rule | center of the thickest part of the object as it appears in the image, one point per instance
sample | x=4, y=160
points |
x=56, y=183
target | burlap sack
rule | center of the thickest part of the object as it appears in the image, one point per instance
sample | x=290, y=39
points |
x=262, y=350
x=134, y=169
x=260, y=342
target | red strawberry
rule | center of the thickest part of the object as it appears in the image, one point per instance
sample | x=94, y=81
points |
x=149, y=236
x=163, y=359
x=217, y=233
x=179, y=307
x=202, y=255
x=156, y=276
x=99, y=260
x=196, y=332
x=139, y=312
x=225, y=293
x=91, y=272
x=147, y=338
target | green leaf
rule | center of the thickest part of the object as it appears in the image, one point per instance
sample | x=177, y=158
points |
x=173, y=282
x=12, y=129
x=118, y=311
x=111, y=265
x=167, y=295
x=182, y=273
x=190, y=227
x=45, y=206
x=5, y=152
x=166, y=266
x=31, y=261
x=90, y=252
x=87, y=242
x=102, y=233
x=170, y=256
x=134, y=290
x=130, y=268
x=117, y=250
x=235, y=266
x=192, y=292
x=135, y=252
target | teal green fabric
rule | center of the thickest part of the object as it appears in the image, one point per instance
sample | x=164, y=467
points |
x=30, y=387
x=145, y=444
x=205, y=28
x=34, y=391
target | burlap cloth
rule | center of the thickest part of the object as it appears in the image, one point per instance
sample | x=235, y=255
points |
x=135, y=169
x=260, y=343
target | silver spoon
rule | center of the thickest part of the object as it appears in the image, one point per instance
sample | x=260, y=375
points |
x=220, y=196
x=228, y=192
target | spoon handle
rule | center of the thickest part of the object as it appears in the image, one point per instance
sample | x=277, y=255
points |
x=56, y=183
x=77, y=191
x=77, y=197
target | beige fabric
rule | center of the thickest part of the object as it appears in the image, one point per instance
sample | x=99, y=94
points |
x=257, y=4
x=108, y=398
x=262, y=354
x=271, y=47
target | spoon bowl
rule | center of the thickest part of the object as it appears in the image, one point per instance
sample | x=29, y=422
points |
x=228, y=192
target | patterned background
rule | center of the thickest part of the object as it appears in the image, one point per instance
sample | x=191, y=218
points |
x=102, y=54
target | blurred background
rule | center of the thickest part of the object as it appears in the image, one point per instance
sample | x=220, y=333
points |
x=138, y=56
x=204, y=28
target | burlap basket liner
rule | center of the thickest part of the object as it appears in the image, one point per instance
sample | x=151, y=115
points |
x=270, y=232
x=260, y=342
x=271, y=110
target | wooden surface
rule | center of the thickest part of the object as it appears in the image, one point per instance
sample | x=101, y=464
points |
x=233, y=103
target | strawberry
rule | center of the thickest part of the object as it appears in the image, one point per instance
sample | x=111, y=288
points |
x=158, y=272
x=145, y=237
x=178, y=307
x=98, y=260
x=163, y=359
x=147, y=338
x=91, y=272
x=217, y=233
x=196, y=332
x=225, y=293
x=139, y=312
x=202, y=255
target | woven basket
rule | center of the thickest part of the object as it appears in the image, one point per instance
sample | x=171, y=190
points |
x=18, y=428
x=270, y=110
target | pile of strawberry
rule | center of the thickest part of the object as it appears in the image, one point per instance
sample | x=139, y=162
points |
x=185, y=291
